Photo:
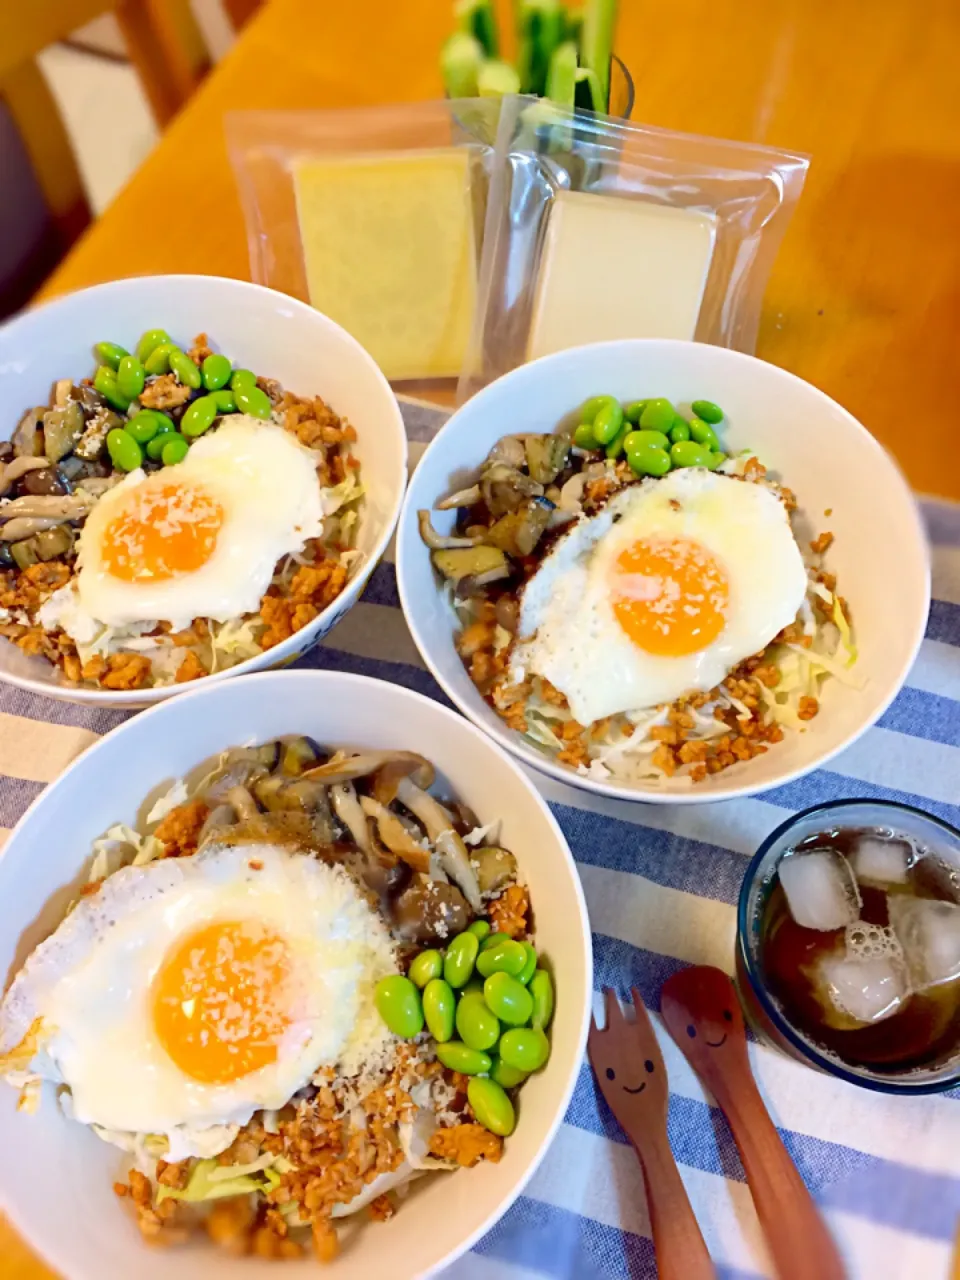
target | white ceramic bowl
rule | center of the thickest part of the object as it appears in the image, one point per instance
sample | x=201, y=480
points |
x=56, y=1176
x=272, y=334
x=823, y=454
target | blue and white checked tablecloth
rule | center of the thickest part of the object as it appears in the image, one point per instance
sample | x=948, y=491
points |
x=661, y=885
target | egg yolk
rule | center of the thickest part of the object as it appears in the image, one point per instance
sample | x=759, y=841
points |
x=161, y=532
x=221, y=1000
x=669, y=596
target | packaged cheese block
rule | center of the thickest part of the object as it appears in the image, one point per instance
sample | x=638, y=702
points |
x=619, y=268
x=389, y=251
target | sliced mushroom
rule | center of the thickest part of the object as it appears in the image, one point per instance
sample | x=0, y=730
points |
x=473, y=584
x=443, y=836
x=494, y=866
x=387, y=778
x=243, y=803
x=463, y=498
x=25, y=527
x=66, y=506
x=504, y=488
x=218, y=820
x=438, y=541
x=472, y=562
x=509, y=450
x=347, y=808
x=19, y=467
x=430, y=912
x=346, y=768
x=395, y=835
x=28, y=437
x=518, y=532
x=62, y=428
x=547, y=455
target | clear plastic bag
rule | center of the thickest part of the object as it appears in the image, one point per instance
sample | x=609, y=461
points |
x=321, y=224
x=567, y=196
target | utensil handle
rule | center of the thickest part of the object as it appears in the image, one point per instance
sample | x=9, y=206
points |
x=800, y=1243
x=680, y=1248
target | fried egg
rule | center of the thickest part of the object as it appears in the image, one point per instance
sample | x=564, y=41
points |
x=661, y=593
x=191, y=992
x=200, y=539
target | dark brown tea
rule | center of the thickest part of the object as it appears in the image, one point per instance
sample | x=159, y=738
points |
x=860, y=947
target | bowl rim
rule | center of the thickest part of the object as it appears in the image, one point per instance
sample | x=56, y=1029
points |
x=363, y=686
x=109, y=698
x=407, y=538
x=806, y=1051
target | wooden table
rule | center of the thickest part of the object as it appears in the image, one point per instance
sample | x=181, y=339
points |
x=865, y=297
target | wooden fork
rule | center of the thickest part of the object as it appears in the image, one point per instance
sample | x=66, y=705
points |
x=628, y=1065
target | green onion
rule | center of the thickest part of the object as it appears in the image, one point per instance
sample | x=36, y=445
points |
x=497, y=78
x=562, y=76
x=596, y=43
x=477, y=19
x=588, y=96
x=460, y=63
x=540, y=26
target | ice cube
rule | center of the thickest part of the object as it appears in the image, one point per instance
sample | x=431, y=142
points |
x=929, y=933
x=881, y=861
x=854, y=993
x=937, y=876
x=821, y=889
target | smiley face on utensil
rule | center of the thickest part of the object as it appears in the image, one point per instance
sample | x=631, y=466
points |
x=702, y=1013
x=627, y=1063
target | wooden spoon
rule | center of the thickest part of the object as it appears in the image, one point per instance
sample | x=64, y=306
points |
x=628, y=1065
x=701, y=1011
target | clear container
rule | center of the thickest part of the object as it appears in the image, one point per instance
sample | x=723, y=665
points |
x=762, y=1009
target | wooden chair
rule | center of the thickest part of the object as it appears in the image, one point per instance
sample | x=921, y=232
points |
x=166, y=50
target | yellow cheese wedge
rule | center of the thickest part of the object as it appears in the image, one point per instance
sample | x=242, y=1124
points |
x=389, y=251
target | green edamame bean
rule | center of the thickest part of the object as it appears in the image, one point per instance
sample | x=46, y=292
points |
x=165, y=429
x=143, y=426
x=460, y=958
x=541, y=988
x=657, y=415
x=131, y=376
x=175, y=449
x=184, y=369
x=199, y=417
x=584, y=438
x=525, y=1048
x=215, y=371
x=592, y=407
x=633, y=410
x=528, y=970
x=481, y=928
x=110, y=354
x=506, y=1077
x=425, y=967
x=648, y=460
x=708, y=411
x=398, y=1003
x=460, y=1057
x=506, y=957
x=685, y=453
x=125, y=453
x=242, y=378
x=492, y=940
x=680, y=431
x=105, y=381
x=253, y=401
x=642, y=439
x=508, y=999
x=473, y=987
x=439, y=1007
x=615, y=447
x=226, y=403
x=704, y=434
x=149, y=342
x=716, y=460
x=158, y=361
x=608, y=421
x=492, y=1107
x=477, y=1025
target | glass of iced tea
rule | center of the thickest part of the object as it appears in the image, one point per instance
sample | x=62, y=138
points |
x=848, y=944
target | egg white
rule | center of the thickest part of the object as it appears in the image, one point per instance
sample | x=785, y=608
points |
x=90, y=983
x=266, y=483
x=568, y=631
